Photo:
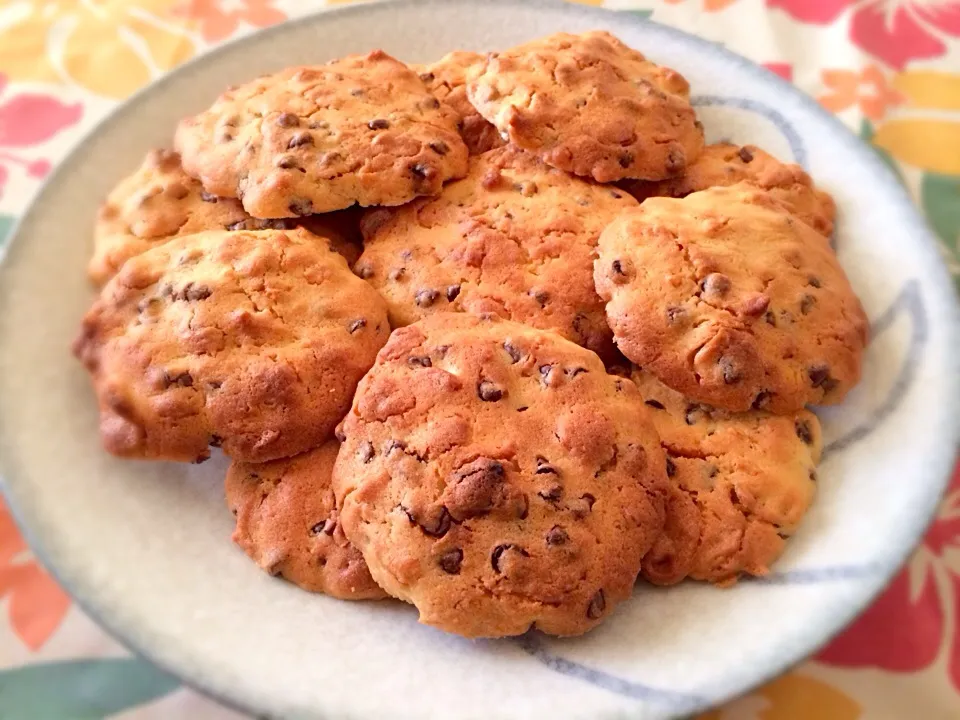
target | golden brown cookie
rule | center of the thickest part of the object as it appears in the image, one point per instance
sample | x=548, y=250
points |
x=287, y=522
x=495, y=476
x=515, y=237
x=726, y=164
x=305, y=140
x=447, y=79
x=730, y=300
x=590, y=105
x=160, y=201
x=253, y=341
x=742, y=481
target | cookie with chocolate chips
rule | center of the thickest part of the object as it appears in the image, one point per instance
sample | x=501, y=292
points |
x=363, y=129
x=724, y=164
x=249, y=341
x=515, y=237
x=159, y=201
x=495, y=476
x=287, y=522
x=447, y=79
x=742, y=482
x=591, y=106
x=729, y=299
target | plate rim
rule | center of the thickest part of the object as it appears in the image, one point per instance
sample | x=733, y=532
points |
x=941, y=282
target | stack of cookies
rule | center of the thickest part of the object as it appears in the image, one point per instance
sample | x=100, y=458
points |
x=493, y=336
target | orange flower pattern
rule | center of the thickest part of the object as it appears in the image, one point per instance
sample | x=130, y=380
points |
x=219, y=19
x=867, y=89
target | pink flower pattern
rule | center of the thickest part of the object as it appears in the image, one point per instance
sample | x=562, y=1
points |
x=26, y=120
x=895, y=31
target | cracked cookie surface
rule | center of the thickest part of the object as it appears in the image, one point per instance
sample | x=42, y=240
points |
x=742, y=483
x=287, y=522
x=515, y=237
x=591, y=106
x=252, y=341
x=362, y=129
x=724, y=164
x=447, y=79
x=496, y=477
x=728, y=299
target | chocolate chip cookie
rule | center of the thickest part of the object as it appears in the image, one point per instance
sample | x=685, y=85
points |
x=590, y=105
x=305, y=140
x=729, y=299
x=287, y=521
x=447, y=79
x=515, y=237
x=726, y=164
x=160, y=201
x=249, y=341
x=495, y=476
x=742, y=481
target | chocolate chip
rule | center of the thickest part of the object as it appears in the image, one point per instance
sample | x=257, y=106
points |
x=770, y=318
x=431, y=103
x=378, y=124
x=545, y=372
x=513, y=351
x=716, y=284
x=183, y=379
x=357, y=92
x=365, y=451
x=439, y=147
x=675, y=314
x=813, y=475
x=208, y=197
x=452, y=292
x=287, y=120
x=301, y=206
x=439, y=526
x=625, y=159
x=762, y=399
x=397, y=273
x=450, y=561
x=523, y=408
x=551, y=494
x=544, y=467
x=615, y=194
x=745, y=155
x=356, y=325
x=427, y=77
x=557, y=536
x=476, y=488
x=807, y=303
x=489, y=392
x=819, y=374
x=318, y=528
x=598, y=603
x=286, y=162
x=710, y=470
x=395, y=445
x=692, y=414
x=731, y=370
x=215, y=441
x=655, y=404
x=756, y=305
x=499, y=550
x=617, y=267
x=589, y=499
x=671, y=467
x=541, y=296
x=813, y=281
x=420, y=360
x=804, y=432
x=299, y=139
x=422, y=174
x=426, y=297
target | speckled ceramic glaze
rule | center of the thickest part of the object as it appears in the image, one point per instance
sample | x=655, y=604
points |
x=145, y=546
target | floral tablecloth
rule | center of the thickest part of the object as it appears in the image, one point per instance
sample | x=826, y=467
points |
x=889, y=68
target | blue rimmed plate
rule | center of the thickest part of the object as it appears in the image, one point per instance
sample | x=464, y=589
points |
x=145, y=546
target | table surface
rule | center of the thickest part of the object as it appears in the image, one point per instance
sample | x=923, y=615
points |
x=890, y=69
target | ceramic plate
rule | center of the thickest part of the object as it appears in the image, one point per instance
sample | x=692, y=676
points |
x=145, y=546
